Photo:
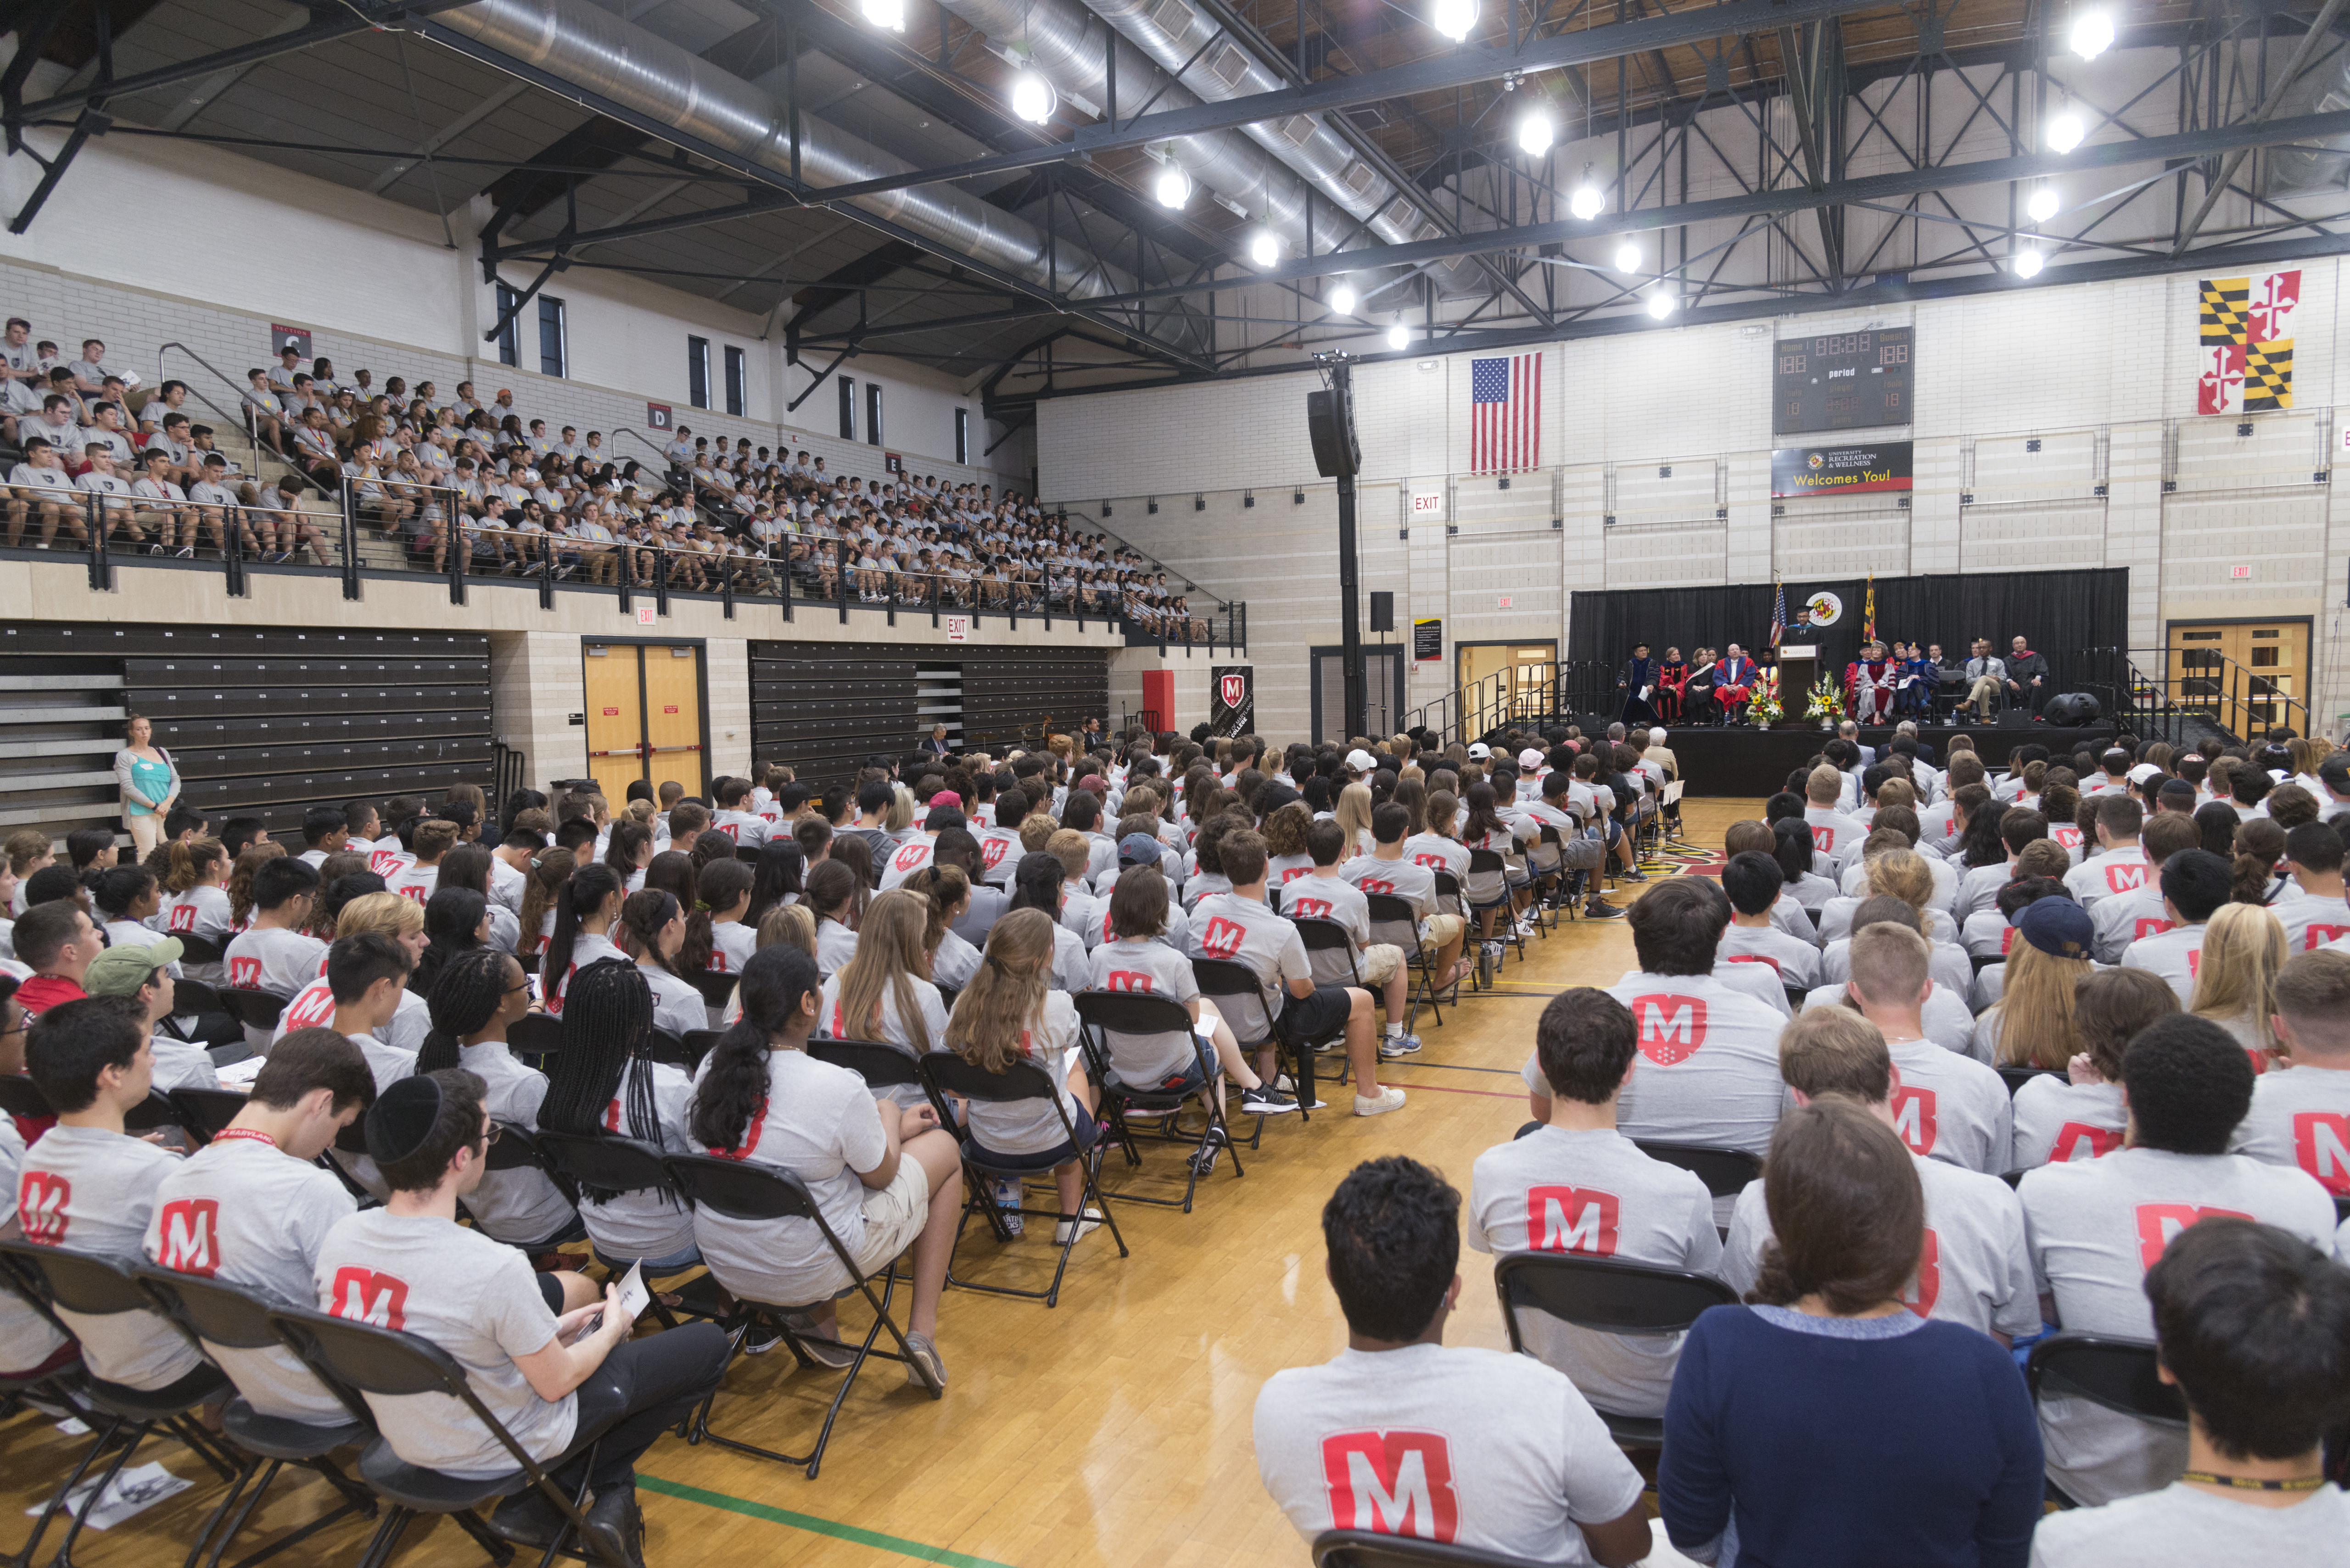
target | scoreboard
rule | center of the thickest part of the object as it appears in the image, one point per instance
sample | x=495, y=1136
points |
x=1843, y=380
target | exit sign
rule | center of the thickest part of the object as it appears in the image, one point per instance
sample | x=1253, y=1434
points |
x=2240, y=571
x=1503, y=603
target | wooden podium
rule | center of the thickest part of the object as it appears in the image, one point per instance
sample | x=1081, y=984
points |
x=1799, y=666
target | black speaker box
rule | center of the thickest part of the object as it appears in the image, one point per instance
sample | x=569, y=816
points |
x=2072, y=709
x=2014, y=719
x=1330, y=421
x=1382, y=611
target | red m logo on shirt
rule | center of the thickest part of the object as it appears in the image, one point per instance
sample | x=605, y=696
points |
x=1396, y=1483
x=183, y=917
x=1376, y=885
x=1303, y=908
x=2150, y=926
x=1824, y=840
x=1433, y=862
x=384, y=862
x=1926, y=1288
x=2158, y=1223
x=1572, y=1219
x=2321, y=1146
x=913, y=854
x=314, y=1009
x=41, y=1199
x=2126, y=878
x=1913, y=1118
x=993, y=850
x=368, y=1295
x=1671, y=1026
x=2079, y=1140
x=1126, y=980
x=188, y=1232
x=1222, y=937
x=2320, y=935
x=245, y=973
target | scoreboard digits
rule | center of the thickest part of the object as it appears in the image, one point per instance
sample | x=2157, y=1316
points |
x=1843, y=380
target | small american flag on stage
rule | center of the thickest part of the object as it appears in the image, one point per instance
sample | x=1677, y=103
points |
x=1505, y=413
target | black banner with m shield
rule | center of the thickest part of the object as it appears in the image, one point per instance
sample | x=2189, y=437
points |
x=1232, y=699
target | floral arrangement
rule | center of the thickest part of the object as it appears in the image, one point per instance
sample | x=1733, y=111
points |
x=1827, y=701
x=1762, y=707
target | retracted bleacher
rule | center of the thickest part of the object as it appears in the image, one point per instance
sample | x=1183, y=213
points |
x=261, y=723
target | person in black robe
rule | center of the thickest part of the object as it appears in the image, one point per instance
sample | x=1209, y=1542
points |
x=1639, y=683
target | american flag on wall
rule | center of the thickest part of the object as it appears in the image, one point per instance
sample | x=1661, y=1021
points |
x=1505, y=413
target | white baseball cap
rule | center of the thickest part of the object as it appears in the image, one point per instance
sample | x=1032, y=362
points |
x=1362, y=761
x=1530, y=758
x=2143, y=772
x=1479, y=751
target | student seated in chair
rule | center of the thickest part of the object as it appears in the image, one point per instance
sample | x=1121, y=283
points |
x=1406, y=1435
x=252, y=1208
x=885, y=1178
x=2249, y=1322
x=479, y=996
x=553, y=1363
x=1576, y=1184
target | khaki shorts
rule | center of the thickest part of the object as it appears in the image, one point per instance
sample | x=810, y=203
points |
x=1381, y=961
x=1442, y=931
x=894, y=1215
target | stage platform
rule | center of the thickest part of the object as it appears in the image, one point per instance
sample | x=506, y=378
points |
x=1739, y=760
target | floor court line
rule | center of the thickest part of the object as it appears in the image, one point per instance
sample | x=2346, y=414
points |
x=814, y=1525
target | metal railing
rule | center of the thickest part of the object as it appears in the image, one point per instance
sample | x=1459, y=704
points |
x=391, y=529
x=241, y=418
x=2181, y=694
x=1557, y=692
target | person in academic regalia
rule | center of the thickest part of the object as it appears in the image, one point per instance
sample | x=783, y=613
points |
x=1733, y=680
x=1669, y=676
x=1697, y=688
x=1920, y=676
x=1869, y=682
x=1639, y=684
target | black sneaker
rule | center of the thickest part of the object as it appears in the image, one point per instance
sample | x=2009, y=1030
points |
x=1598, y=910
x=1266, y=1101
x=527, y=1519
x=1203, y=1159
x=1635, y=874
x=761, y=1335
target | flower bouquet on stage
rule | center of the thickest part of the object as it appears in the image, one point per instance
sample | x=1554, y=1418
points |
x=1762, y=709
x=1826, y=703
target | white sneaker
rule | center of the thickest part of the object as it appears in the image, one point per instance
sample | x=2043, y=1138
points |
x=1390, y=1099
x=1084, y=1227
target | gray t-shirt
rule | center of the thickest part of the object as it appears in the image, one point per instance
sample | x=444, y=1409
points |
x=269, y=959
x=891, y=1028
x=2301, y=1116
x=1708, y=1072
x=2057, y=1122
x=1331, y=898
x=2186, y=1527
x=1494, y=1452
x=1950, y=1107
x=1594, y=1193
x=822, y=1124
x=1974, y=1268
x=2094, y=1227
x=1227, y=925
x=476, y=1299
x=519, y=1206
x=1792, y=961
x=26, y=1338
x=241, y=1211
x=1153, y=968
x=94, y=1191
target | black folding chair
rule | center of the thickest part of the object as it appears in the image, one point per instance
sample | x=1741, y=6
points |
x=1377, y=1549
x=516, y=1147
x=944, y=1073
x=196, y=950
x=1223, y=980
x=2107, y=1370
x=253, y=1009
x=1322, y=935
x=610, y=1163
x=156, y=1111
x=534, y=1037
x=190, y=997
x=742, y=1190
x=881, y=1065
x=1724, y=1171
x=389, y=1363
x=60, y=1383
x=212, y=1313
x=1607, y=1296
x=2016, y=1077
x=1139, y=1012
x=1982, y=961
x=204, y=1112
x=1489, y=862
x=717, y=988
x=1394, y=919
x=1450, y=901
x=98, y=1286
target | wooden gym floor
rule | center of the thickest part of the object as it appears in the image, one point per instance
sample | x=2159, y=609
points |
x=1112, y=1428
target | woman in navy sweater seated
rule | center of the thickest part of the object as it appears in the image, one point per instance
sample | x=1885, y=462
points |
x=1827, y=1424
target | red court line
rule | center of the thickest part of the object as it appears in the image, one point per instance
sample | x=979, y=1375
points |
x=1448, y=1089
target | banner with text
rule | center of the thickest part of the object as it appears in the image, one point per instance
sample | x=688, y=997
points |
x=1839, y=470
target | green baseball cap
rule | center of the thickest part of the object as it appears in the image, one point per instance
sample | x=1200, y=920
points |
x=122, y=969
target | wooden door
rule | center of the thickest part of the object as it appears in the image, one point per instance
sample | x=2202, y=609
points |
x=2247, y=677
x=673, y=717
x=615, y=716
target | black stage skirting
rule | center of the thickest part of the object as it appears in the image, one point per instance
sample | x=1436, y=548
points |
x=1755, y=762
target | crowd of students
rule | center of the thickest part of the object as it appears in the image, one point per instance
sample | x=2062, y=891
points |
x=960, y=905
x=438, y=471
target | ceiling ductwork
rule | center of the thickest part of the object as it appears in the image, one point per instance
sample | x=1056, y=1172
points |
x=2311, y=168
x=1172, y=32
x=595, y=50
x=1065, y=43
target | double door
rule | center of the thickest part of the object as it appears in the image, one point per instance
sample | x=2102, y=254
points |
x=2247, y=677
x=644, y=715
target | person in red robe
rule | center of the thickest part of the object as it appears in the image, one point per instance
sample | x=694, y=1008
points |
x=1733, y=680
x=1669, y=676
x=1869, y=683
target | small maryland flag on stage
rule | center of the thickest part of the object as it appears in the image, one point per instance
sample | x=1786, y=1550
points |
x=2244, y=343
x=1868, y=613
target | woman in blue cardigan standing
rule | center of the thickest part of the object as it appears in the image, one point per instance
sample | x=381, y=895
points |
x=1827, y=1425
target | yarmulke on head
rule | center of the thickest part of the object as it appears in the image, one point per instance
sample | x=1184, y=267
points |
x=416, y=1125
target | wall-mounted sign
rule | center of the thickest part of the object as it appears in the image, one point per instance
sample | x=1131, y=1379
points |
x=658, y=417
x=958, y=628
x=644, y=615
x=1428, y=641
x=1427, y=505
x=298, y=339
x=1839, y=470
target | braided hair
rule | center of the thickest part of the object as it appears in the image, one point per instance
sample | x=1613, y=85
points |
x=607, y=1036
x=470, y=989
x=733, y=1084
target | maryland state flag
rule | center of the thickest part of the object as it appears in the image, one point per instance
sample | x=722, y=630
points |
x=2244, y=343
x=1868, y=613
